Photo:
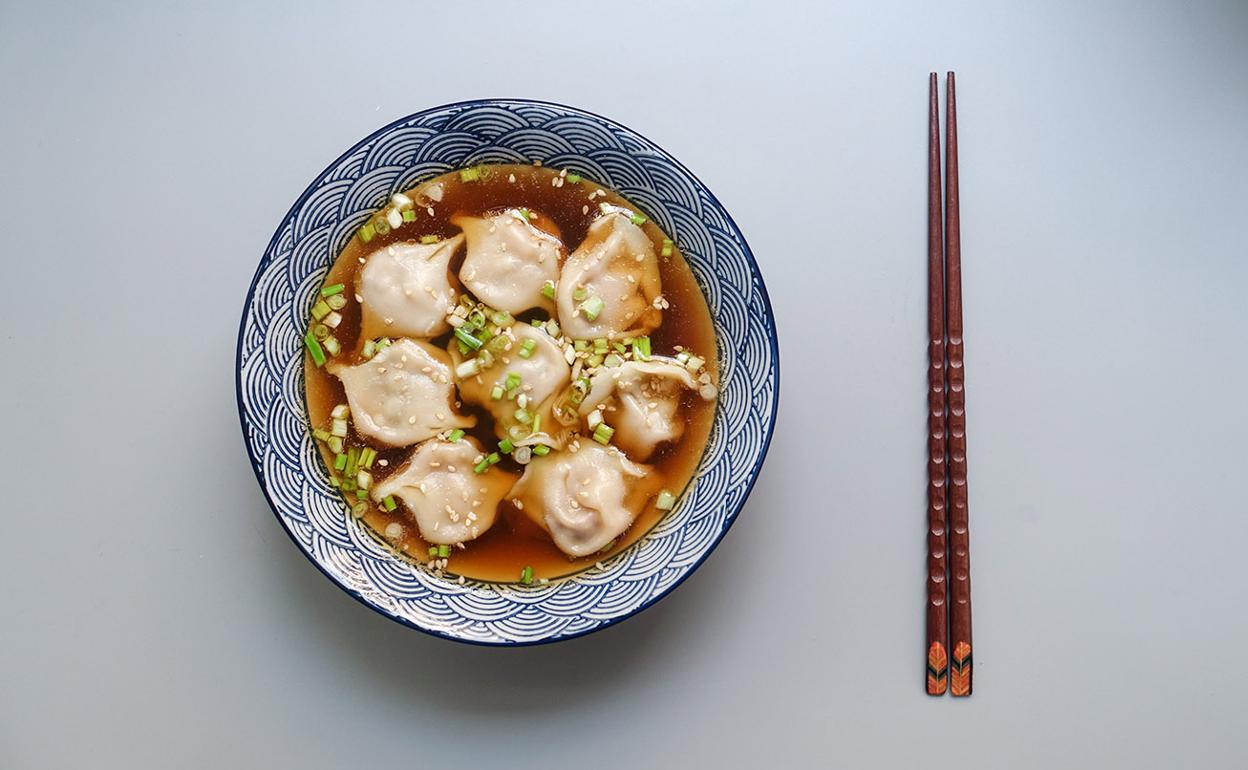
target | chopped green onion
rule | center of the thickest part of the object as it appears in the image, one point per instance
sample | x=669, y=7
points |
x=331, y=346
x=320, y=310
x=353, y=461
x=498, y=344
x=455, y=435
x=694, y=363
x=469, y=175
x=482, y=466
x=600, y=345
x=330, y=291
x=603, y=433
x=467, y=339
x=334, y=482
x=433, y=550
x=497, y=393
x=512, y=382
x=339, y=428
x=613, y=360
x=389, y=503
x=359, y=509
x=320, y=331
x=595, y=360
x=367, y=456
x=666, y=501
x=505, y=446
x=524, y=416
x=641, y=349
x=526, y=349
x=381, y=225
x=340, y=462
x=517, y=432
x=361, y=494
x=638, y=219
x=526, y=575
x=476, y=318
x=335, y=444
x=524, y=214
x=370, y=348
x=383, y=343
x=552, y=328
x=537, y=423
x=314, y=348
x=667, y=247
x=591, y=307
x=320, y=435
x=367, y=232
x=340, y=412
x=337, y=301
x=548, y=290
x=619, y=347
x=593, y=419
x=409, y=215
x=541, y=450
x=444, y=551
x=348, y=485
x=468, y=368
x=364, y=479
x=574, y=178
x=502, y=318
x=579, y=294
x=580, y=346
x=682, y=356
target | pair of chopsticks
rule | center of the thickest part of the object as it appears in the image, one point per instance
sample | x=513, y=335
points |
x=948, y=538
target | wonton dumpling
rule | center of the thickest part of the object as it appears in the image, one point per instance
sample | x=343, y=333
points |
x=408, y=285
x=508, y=261
x=543, y=377
x=450, y=502
x=641, y=398
x=584, y=499
x=616, y=265
x=402, y=395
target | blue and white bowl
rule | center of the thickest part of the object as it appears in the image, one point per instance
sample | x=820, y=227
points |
x=273, y=412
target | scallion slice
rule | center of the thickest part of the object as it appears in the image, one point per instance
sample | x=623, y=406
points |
x=526, y=575
x=574, y=178
x=594, y=361
x=330, y=291
x=444, y=551
x=579, y=294
x=367, y=232
x=467, y=339
x=340, y=462
x=506, y=446
x=359, y=509
x=541, y=450
x=497, y=393
x=580, y=346
x=526, y=349
x=381, y=225
x=455, y=435
x=613, y=360
x=340, y=412
x=331, y=345
x=524, y=416
x=469, y=175
x=512, y=382
x=667, y=247
x=600, y=345
x=641, y=349
x=388, y=503
x=552, y=328
x=337, y=301
x=335, y=444
x=367, y=456
x=548, y=290
x=320, y=435
x=694, y=363
x=467, y=368
x=603, y=434
x=593, y=419
x=591, y=307
x=320, y=309
x=409, y=215
x=481, y=467
x=502, y=318
x=537, y=423
x=638, y=219
x=370, y=348
x=320, y=331
x=428, y=239
x=314, y=348
x=433, y=550
x=339, y=428
x=666, y=501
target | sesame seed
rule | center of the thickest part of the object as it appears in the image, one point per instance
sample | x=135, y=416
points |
x=519, y=504
x=451, y=468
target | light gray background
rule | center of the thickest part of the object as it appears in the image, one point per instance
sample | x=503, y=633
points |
x=155, y=615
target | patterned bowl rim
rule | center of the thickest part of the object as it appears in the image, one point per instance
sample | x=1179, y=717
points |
x=773, y=343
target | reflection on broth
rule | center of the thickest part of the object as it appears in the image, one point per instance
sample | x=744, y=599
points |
x=510, y=373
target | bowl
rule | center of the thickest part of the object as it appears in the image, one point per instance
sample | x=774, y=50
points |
x=273, y=412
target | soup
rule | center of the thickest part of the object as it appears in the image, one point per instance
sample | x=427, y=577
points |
x=510, y=373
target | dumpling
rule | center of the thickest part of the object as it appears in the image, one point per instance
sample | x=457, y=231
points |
x=402, y=395
x=509, y=261
x=405, y=289
x=584, y=499
x=542, y=377
x=640, y=400
x=450, y=502
x=610, y=284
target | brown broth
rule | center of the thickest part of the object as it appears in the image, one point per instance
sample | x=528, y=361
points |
x=514, y=541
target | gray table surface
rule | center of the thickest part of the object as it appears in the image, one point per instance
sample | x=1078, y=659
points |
x=153, y=613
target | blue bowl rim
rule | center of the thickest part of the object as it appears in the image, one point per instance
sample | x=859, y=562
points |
x=773, y=342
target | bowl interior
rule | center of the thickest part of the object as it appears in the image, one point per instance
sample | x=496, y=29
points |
x=270, y=369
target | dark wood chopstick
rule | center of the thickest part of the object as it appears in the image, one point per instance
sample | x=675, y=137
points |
x=937, y=585
x=960, y=670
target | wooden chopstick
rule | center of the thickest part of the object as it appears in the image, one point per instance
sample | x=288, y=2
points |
x=960, y=670
x=937, y=585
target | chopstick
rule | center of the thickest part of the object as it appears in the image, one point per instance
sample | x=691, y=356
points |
x=960, y=670
x=937, y=585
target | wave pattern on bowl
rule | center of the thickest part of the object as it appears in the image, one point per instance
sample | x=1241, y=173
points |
x=270, y=375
